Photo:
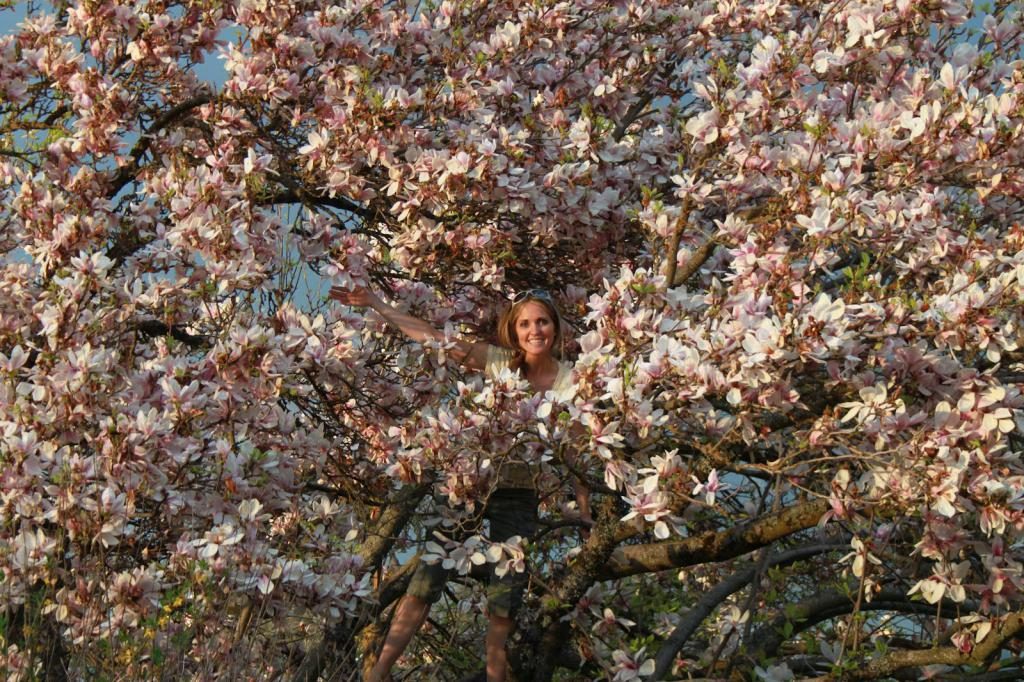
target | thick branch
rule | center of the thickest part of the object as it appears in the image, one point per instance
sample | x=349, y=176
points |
x=378, y=542
x=707, y=248
x=632, y=115
x=889, y=663
x=765, y=643
x=672, y=253
x=392, y=520
x=704, y=251
x=713, y=545
x=543, y=644
x=637, y=108
x=697, y=259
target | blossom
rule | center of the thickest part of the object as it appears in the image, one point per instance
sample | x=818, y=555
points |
x=609, y=622
x=861, y=28
x=217, y=539
x=30, y=549
x=631, y=667
x=248, y=510
x=862, y=557
x=508, y=556
x=650, y=503
x=775, y=673
x=709, y=488
x=15, y=361
x=704, y=126
x=820, y=222
x=459, y=164
x=664, y=466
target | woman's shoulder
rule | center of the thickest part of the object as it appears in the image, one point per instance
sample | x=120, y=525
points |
x=564, y=386
x=498, y=358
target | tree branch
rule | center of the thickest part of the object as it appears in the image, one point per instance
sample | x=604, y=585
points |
x=157, y=328
x=672, y=253
x=543, y=643
x=325, y=655
x=128, y=171
x=713, y=545
x=392, y=520
x=697, y=259
x=884, y=666
x=765, y=643
x=295, y=194
x=637, y=108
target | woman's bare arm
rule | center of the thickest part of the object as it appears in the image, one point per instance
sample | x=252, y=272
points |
x=471, y=354
x=581, y=493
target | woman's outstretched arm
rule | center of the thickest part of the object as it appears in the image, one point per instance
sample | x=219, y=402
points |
x=581, y=493
x=472, y=355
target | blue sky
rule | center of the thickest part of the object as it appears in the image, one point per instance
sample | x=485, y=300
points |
x=10, y=18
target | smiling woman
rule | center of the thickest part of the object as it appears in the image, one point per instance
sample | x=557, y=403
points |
x=531, y=334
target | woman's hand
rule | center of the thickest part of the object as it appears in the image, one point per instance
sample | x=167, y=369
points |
x=360, y=296
x=472, y=355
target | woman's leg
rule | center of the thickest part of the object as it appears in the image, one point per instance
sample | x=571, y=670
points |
x=511, y=511
x=498, y=630
x=409, y=616
x=424, y=589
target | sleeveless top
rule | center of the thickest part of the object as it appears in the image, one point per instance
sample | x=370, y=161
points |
x=514, y=472
x=499, y=359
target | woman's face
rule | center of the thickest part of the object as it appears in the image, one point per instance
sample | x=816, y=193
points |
x=535, y=330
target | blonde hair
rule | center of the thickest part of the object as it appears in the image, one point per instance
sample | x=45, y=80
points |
x=507, y=326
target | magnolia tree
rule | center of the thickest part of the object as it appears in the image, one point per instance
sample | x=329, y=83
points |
x=788, y=237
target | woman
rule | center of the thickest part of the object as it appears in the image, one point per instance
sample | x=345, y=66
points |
x=531, y=333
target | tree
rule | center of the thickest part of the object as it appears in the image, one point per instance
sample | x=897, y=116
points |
x=789, y=235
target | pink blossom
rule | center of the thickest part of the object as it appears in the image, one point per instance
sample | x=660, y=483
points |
x=629, y=667
x=709, y=488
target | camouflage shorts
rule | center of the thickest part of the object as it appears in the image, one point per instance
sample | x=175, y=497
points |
x=510, y=511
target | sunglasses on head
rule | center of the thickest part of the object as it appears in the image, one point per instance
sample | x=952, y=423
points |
x=539, y=294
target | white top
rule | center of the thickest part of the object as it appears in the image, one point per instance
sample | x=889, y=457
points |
x=499, y=359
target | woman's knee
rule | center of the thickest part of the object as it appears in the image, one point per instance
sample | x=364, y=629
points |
x=499, y=625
